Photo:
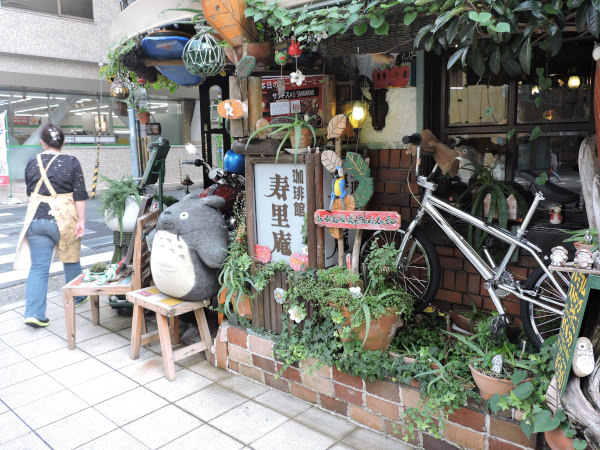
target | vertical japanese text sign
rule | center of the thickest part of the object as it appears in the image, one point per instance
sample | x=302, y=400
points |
x=569, y=329
x=4, y=177
x=280, y=208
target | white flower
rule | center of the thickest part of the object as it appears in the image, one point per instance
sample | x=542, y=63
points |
x=305, y=250
x=279, y=295
x=356, y=293
x=297, y=314
x=297, y=78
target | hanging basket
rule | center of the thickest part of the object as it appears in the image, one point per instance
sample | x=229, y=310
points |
x=119, y=108
x=203, y=55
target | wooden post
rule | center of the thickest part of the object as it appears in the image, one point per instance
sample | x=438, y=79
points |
x=238, y=90
x=329, y=101
x=319, y=205
x=340, y=241
x=254, y=101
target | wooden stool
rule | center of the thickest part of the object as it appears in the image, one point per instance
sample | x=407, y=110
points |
x=166, y=309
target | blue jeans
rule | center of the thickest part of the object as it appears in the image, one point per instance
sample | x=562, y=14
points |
x=43, y=235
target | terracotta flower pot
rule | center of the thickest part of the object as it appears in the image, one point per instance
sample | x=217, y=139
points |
x=488, y=386
x=242, y=308
x=581, y=245
x=262, y=51
x=306, y=138
x=557, y=440
x=381, y=331
x=463, y=322
x=144, y=117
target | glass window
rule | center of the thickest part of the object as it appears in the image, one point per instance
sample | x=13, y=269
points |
x=77, y=8
x=487, y=150
x=568, y=100
x=43, y=6
x=471, y=102
x=72, y=8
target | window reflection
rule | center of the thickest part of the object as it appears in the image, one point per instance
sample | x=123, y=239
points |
x=487, y=150
x=476, y=103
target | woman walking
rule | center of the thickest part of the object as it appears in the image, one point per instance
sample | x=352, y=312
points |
x=55, y=220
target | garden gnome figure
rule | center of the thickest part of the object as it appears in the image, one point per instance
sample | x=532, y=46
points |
x=555, y=215
x=338, y=187
x=559, y=256
x=583, y=360
x=497, y=364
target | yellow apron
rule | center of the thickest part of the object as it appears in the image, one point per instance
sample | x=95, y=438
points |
x=62, y=207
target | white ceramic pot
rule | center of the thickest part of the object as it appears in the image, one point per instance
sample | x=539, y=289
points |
x=129, y=216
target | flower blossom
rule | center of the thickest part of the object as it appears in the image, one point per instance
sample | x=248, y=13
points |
x=297, y=314
x=355, y=291
x=279, y=295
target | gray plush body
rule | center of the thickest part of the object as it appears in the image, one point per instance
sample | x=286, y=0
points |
x=189, y=247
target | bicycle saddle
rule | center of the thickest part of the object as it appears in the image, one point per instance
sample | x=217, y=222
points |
x=550, y=190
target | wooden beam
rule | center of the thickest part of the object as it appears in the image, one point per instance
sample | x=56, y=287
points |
x=152, y=62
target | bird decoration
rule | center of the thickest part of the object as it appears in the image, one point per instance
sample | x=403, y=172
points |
x=338, y=186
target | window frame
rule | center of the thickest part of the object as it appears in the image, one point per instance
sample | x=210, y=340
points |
x=59, y=13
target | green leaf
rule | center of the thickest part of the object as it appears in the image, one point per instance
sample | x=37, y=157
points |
x=580, y=444
x=361, y=28
x=538, y=101
x=477, y=62
x=494, y=403
x=410, y=18
x=511, y=66
x=377, y=21
x=482, y=18
x=523, y=390
x=456, y=55
x=357, y=166
x=510, y=134
x=527, y=427
x=528, y=6
x=544, y=421
x=535, y=133
x=363, y=192
x=518, y=376
x=333, y=28
x=593, y=22
x=495, y=61
x=503, y=27
x=452, y=29
x=581, y=16
x=525, y=56
x=383, y=29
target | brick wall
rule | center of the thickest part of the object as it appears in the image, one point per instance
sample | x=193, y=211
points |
x=378, y=405
x=460, y=281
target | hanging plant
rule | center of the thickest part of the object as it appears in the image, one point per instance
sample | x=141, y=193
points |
x=203, y=55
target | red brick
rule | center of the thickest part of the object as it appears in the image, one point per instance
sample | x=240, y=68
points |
x=318, y=384
x=237, y=336
x=410, y=397
x=374, y=156
x=334, y=405
x=239, y=355
x=291, y=373
x=268, y=365
x=406, y=214
x=442, y=250
x=278, y=383
x=383, y=389
x=468, y=266
x=260, y=346
x=468, y=418
x=448, y=279
x=473, y=284
x=464, y=437
x=449, y=296
x=460, y=281
x=395, y=158
x=399, y=431
x=391, y=174
x=312, y=366
x=520, y=273
x=303, y=393
x=366, y=418
x=393, y=188
x=252, y=372
x=345, y=378
x=234, y=366
x=383, y=407
x=510, y=431
x=348, y=394
x=405, y=159
x=379, y=186
x=496, y=444
x=431, y=443
x=451, y=263
x=221, y=353
x=384, y=158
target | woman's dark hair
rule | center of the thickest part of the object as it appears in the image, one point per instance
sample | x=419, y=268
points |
x=52, y=135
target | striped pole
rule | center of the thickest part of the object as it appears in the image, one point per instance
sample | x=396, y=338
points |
x=95, y=177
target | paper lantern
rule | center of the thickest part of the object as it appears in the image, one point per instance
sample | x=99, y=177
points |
x=203, y=55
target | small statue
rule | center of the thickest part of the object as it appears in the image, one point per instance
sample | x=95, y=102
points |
x=497, y=364
x=583, y=359
x=555, y=215
x=559, y=256
x=338, y=187
x=583, y=259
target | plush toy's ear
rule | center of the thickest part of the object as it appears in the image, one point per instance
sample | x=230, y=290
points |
x=214, y=201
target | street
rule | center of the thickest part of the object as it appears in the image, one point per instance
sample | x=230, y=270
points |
x=97, y=245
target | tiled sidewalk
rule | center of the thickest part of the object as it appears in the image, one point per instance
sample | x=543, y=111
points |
x=96, y=397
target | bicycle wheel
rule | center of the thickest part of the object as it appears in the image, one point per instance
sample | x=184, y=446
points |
x=421, y=275
x=538, y=322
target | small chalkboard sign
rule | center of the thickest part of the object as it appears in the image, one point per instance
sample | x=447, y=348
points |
x=577, y=298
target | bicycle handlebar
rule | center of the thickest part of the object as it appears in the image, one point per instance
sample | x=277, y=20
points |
x=414, y=138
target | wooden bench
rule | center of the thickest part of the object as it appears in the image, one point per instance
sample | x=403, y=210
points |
x=140, y=277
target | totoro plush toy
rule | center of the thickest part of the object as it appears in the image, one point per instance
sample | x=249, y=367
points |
x=189, y=247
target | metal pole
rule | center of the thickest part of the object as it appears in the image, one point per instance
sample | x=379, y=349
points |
x=135, y=164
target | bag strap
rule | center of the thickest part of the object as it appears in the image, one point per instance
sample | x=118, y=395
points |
x=44, y=176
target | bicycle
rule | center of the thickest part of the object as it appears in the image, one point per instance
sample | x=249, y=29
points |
x=418, y=269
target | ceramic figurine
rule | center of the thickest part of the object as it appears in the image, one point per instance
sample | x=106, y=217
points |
x=559, y=256
x=555, y=215
x=583, y=359
x=583, y=259
x=597, y=260
x=497, y=364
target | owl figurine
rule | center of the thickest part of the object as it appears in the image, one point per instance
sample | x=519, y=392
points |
x=497, y=364
x=583, y=359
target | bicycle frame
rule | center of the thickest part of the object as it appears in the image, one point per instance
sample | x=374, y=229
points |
x=490, y=272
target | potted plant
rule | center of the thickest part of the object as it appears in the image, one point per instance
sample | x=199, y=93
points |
x=143, y=114
x=465, y=321
x=586, y=238
x=298, y=130
x=120, y=204
x=98, y=268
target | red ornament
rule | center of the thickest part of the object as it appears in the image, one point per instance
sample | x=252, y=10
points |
x=294, y=49
x=141, y=80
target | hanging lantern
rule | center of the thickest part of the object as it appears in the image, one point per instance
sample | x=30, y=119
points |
x=281, y=58
x=119, y=89
x=294, y=49
x=202, y=55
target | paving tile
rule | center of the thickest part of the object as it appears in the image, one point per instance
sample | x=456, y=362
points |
x=293, y=436
x=145, y=371
x=29, y=441
x=117, y=323
x=77, y=429
x=207, y=370
x=103, y=344
x=131, y=405
x=30, y=390
x=24, y=335
x=14, y=324
x=258, y=421
x=3, y=345
x=204, y=438
x=104, y=387
x=15, y=373
x=12, y=427
x=106, y=312
x=327, y=423
x=211, y=402
x=339, y=446
x=55, y=312
x=119, y=358
x=117, y=439
x=244, y=386
x=125, y=332
x=9, y=356
x=162, y=426
x=80, y=372
x=186, y=383
x=363, y=438
x=40, y=346
x=3, y=408
x=50, y=409
x=283, y=403
x=58, y=359
x=9, y=315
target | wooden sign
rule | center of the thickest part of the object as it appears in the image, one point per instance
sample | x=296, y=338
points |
x=364, y=220
x=577, y=297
